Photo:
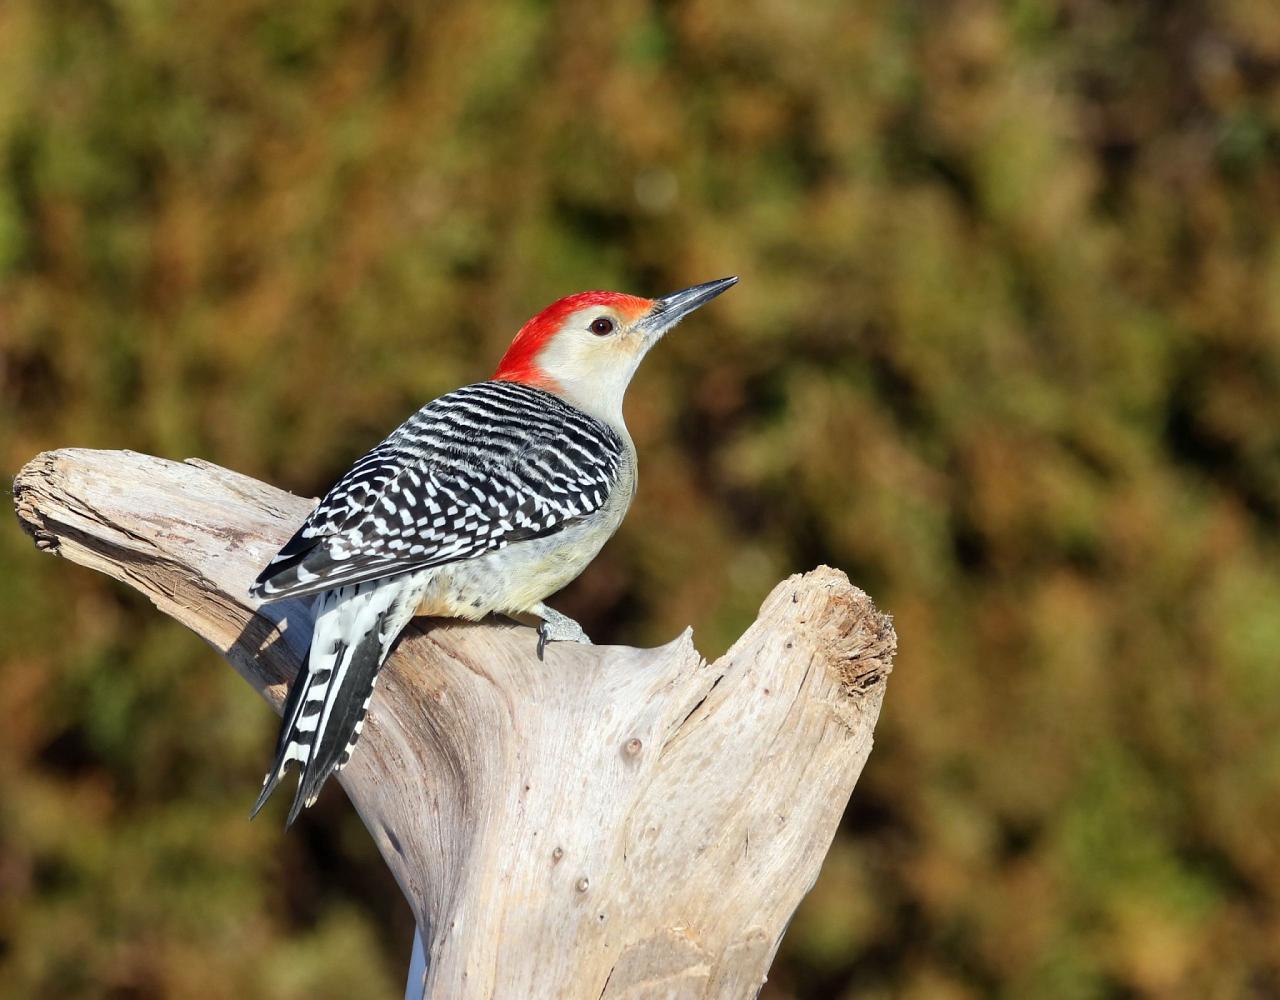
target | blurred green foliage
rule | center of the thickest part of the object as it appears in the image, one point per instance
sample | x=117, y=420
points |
x=1006, y=349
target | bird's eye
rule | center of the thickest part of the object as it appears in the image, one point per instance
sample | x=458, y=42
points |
x=602, y=327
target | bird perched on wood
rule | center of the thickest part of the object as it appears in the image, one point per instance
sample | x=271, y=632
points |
x=488, y=499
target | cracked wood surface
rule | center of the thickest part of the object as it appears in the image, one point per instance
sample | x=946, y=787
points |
x=612, y=823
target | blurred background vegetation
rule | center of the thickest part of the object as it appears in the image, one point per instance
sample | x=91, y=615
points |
x=1006, y=349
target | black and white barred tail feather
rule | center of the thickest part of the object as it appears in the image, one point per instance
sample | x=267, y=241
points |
x=325, y=711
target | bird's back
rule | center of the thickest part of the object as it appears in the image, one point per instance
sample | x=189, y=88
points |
x=481, y=468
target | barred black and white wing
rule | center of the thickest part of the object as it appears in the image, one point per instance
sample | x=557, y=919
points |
x=482, y=468
x=478, y=469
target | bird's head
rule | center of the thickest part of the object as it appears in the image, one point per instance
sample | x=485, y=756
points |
x=586, y=347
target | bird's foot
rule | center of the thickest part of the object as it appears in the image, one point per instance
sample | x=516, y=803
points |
x=556, y=627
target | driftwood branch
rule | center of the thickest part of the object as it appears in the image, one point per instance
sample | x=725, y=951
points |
x=611, y=823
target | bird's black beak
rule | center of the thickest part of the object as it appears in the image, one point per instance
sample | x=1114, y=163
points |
x=669, y=311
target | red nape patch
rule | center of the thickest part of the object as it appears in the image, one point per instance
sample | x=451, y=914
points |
x=520, y=363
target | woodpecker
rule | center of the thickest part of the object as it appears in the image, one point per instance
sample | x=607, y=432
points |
x=487, y=500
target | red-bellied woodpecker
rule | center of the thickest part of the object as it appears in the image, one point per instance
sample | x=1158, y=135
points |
x=488, y=499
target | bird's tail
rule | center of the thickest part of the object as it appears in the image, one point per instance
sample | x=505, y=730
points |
x=355, y=627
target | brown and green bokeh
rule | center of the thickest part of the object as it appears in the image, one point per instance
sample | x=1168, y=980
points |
x=1006, y=349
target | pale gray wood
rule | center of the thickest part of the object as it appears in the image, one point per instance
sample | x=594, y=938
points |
x=612, y=823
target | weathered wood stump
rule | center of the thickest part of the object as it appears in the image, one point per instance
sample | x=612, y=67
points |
x=609, y=823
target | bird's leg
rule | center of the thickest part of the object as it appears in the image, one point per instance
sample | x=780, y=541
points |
x=556, y=627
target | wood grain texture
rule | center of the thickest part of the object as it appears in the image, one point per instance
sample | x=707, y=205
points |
x=610, y=823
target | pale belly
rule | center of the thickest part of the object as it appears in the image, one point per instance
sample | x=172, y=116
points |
x=513, y=580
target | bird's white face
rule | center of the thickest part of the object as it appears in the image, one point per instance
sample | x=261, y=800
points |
x=593, y=356
x=586, y=348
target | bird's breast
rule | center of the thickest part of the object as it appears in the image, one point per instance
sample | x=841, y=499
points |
x=515, y=578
